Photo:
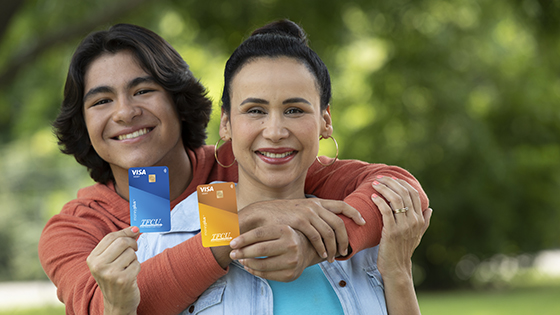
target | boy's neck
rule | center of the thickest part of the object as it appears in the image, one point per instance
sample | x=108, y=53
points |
x=180, y=176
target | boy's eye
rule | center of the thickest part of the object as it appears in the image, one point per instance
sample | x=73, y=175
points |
x=143, y=92
x=101, y=102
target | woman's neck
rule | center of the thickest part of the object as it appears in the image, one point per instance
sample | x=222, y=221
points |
x=248, y=191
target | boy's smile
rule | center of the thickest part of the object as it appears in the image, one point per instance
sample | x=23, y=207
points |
x=131, y=120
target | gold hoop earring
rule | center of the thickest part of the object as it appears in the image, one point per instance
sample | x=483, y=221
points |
x=216, y=156
x=335, y=157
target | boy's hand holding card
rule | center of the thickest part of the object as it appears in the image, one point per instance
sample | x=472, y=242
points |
x=217, y=207
x=148, y=191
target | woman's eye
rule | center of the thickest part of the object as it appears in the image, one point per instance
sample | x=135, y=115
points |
x=293, y=111
x=257, y=111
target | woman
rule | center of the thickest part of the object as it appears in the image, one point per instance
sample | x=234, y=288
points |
x=275, y=110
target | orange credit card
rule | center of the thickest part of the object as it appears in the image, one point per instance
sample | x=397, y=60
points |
x=217, y=209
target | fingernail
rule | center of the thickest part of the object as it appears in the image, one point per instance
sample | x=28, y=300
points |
x=379, y=176
x=233, y=243
x=134, y=229
x=374, y=196
x=345, y=252
x=376, y=183
x=393, y=177
x=362, y=220
x=233, y=254
x=324, y=255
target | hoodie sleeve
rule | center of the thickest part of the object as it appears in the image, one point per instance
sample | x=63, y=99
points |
x=168, y=282
x=351, y=181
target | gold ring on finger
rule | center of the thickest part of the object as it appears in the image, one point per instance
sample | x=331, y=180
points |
x=401, y=210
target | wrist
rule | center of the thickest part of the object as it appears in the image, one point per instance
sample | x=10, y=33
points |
x=248, y=221
x=399, y=276
x=221, y=254
x=110, y=309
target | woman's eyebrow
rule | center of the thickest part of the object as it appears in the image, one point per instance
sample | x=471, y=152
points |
x=254, y=100
x=296, y=100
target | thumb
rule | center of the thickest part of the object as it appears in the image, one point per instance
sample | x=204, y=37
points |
x=427, y=217
x=133, y=231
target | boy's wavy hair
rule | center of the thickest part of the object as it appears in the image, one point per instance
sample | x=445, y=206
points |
x=159, y=60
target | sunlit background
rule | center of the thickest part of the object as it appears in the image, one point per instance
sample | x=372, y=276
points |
x=464, y=94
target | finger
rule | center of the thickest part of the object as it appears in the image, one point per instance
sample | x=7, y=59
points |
x=125, y=259
x=337, y=235
x=115, y=249
x=259, y=250
x=134, y=268
x=341, y=207
x=394, y=198
x=319, y=233
x=386, y=211
x=414, y=195
x=259, y=243
x=427, y=217
x=131, y=232
x=284, y=275
x=253, y=236
x=268, y=264
x=396, y=185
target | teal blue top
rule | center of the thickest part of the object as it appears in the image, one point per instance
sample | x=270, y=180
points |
x=311, y=293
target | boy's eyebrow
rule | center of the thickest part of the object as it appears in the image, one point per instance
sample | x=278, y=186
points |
x=108, y=89
x=97, y=90
x=140, y=80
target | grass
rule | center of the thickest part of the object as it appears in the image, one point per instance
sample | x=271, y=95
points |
x=519, y=301
x=47, y=310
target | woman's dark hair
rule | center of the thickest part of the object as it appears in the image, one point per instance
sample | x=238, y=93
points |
x=159, y=60
x=277, y=39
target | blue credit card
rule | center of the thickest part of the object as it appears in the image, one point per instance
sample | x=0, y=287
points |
x=148, y=191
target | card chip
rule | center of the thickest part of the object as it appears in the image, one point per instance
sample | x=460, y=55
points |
x=219, y=194
x=152, y=178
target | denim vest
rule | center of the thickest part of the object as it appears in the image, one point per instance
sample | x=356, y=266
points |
x=356, y=281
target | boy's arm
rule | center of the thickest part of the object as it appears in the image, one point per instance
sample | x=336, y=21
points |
x=351, y=181
x=168, y=282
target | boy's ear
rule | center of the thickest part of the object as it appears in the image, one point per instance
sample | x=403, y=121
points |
x=327, y=127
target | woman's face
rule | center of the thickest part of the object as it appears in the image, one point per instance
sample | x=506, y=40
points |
x=275, y=121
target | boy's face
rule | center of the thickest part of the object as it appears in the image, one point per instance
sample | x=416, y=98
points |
x=131, y=120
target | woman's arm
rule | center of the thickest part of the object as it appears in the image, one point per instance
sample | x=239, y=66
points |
x=404, y=223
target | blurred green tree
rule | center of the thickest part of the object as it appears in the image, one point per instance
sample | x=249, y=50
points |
x=462, y=93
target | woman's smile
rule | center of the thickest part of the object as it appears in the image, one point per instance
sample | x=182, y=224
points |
x=274, y=123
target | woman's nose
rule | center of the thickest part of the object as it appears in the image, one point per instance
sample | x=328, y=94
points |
x=275, y=129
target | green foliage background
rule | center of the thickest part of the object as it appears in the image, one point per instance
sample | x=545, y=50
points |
x=462, y=93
